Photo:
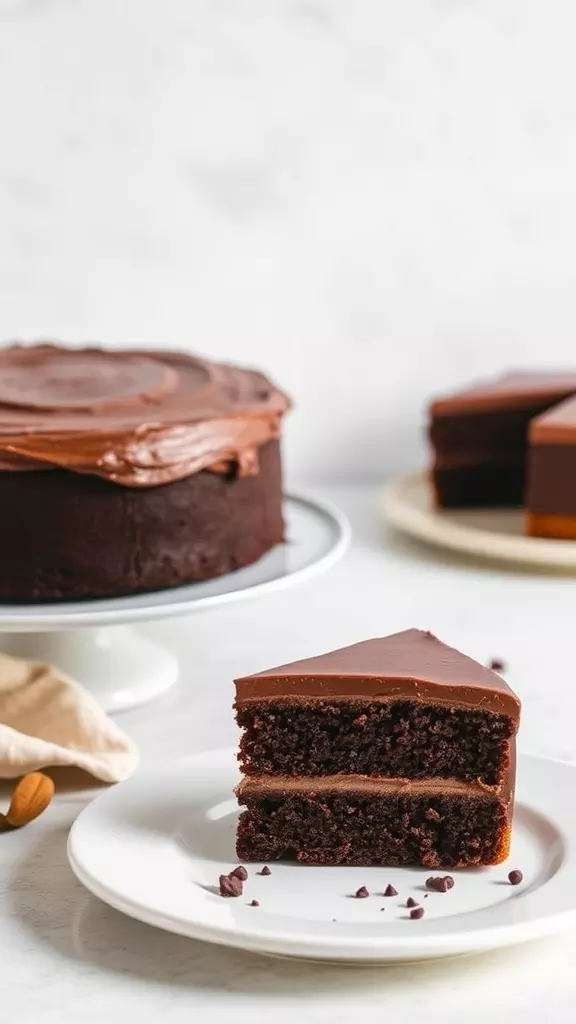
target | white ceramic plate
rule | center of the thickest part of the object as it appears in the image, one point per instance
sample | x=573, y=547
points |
x=497, y=534
x=154, y=847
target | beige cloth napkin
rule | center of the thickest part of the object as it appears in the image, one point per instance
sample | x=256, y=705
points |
x=48, y=719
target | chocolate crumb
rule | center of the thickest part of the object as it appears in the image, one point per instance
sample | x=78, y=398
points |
x=410, y=902
x=361, y=893
x=515, y=877
x=440, y=883
x=382, y=908
x=417, y=913
x=265, y=871
x=390, y=891
x=426, y=895
x=497, y=665
x=254, y=903
x=230, y=885
x=239, y=872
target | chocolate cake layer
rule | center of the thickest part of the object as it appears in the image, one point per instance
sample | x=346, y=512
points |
x=374, y=737
x=480, y=435
x=350, y=820
x=64, y=536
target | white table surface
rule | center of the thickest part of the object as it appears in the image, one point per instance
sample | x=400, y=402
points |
x=66, y=957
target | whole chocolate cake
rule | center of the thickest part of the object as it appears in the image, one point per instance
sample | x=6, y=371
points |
x=399, y=750
x=125, y=471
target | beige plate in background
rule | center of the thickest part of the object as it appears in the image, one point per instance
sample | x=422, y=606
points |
x=498, y=534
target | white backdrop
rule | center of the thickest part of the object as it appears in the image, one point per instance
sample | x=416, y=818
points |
x=373, y=199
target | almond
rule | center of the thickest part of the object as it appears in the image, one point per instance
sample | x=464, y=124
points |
x=31, y=796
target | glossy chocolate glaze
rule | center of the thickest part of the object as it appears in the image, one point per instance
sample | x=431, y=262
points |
x=557, y=426
x=512, y=390
x=412, y=665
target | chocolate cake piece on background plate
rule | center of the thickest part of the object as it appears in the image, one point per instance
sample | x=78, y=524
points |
x=479, y=437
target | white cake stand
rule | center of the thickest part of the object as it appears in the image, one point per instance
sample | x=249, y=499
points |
x=91, y=641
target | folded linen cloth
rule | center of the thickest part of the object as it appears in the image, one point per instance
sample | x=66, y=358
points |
x=48, y=719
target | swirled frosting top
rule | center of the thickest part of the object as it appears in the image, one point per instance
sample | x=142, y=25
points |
x=137, y=418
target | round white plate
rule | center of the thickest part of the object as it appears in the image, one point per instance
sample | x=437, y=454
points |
x=407, y=503
x=155, y=846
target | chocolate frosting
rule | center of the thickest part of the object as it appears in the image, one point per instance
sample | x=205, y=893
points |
x=411, y=665
x=512, y=390
x=136, y=418
x=557, y=426
x=261, y=785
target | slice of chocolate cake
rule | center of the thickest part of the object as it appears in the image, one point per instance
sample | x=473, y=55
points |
x=551, y=492
x=398, y=750
x=479, y=437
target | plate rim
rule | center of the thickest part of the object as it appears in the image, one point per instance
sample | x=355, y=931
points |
x=341, y=947
x=169, y=603
x=433, y=526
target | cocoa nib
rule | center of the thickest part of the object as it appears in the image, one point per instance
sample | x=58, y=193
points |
x=231, y=885
x=440, y=883
x=497, y=665
x=239, y=872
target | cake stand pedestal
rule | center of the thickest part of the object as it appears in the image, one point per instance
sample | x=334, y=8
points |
x=92, y=641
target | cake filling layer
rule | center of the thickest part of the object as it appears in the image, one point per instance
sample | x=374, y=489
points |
x=405, y=739
x=262, y=786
